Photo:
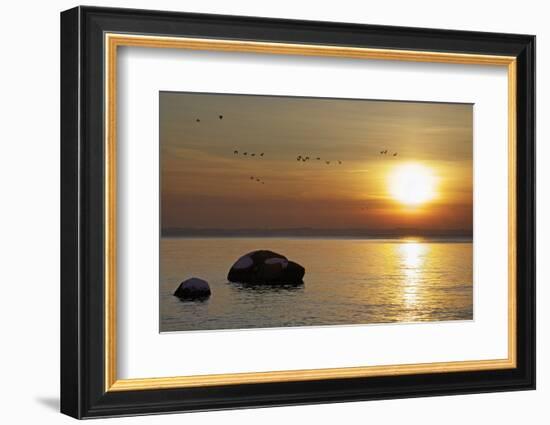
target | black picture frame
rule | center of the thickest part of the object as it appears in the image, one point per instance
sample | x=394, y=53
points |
x=83, y=392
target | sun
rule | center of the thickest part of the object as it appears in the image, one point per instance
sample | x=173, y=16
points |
x=412, y=184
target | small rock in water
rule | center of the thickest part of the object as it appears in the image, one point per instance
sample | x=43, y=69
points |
x=265, y=267
x=193, y=289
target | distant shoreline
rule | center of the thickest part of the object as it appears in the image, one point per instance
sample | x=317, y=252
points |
x=394, y=234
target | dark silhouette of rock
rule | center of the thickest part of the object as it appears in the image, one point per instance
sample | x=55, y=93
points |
x=193, y=289
x=266, y=268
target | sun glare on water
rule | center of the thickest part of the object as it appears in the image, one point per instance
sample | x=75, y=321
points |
x=412, y=184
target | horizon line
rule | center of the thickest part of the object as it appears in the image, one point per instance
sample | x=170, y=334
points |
x=308, y=231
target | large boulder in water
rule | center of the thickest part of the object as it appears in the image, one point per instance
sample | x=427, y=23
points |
x=266, y=267
x=193, y=289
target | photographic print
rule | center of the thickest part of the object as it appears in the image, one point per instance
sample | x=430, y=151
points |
x=280, y=211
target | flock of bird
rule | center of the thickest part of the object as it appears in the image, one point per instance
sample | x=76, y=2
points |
x=257, y=179
x=199, y=120
x=248, y=154
x=252, y=154
x=385, y=152
x=299, y=158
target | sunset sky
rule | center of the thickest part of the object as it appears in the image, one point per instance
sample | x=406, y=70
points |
x=205, y=185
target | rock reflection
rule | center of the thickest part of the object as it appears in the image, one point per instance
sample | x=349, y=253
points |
x=262, y=288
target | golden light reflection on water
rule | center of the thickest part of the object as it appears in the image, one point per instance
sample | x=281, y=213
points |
x=413, y=256
x=347, y=281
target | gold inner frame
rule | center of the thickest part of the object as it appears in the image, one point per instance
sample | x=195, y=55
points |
x=113, y=41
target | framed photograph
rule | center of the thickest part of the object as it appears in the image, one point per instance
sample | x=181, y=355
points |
x=261, y=212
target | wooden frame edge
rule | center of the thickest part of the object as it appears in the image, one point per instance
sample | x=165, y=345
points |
x=114, y=40
x=137, y=384
x=512, y=212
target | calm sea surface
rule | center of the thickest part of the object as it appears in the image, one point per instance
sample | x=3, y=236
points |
x=347, y=281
